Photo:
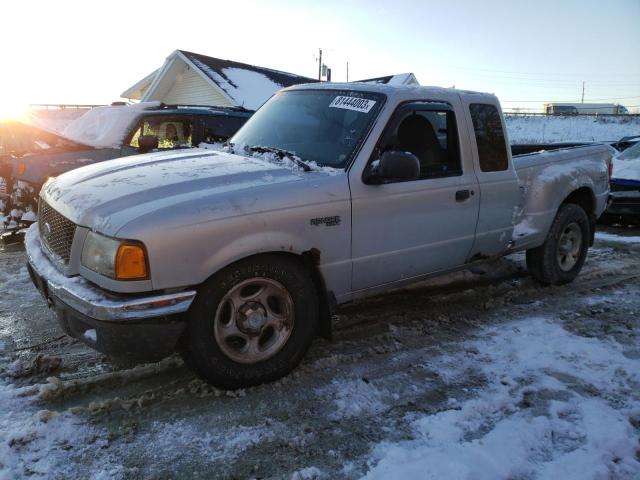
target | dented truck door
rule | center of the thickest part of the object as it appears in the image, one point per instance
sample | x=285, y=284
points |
x=501, y=199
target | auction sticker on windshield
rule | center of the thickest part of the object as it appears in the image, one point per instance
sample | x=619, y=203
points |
x=353, y=103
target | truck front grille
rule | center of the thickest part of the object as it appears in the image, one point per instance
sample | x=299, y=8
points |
x=56, y=232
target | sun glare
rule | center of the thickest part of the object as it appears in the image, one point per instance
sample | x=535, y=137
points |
x=11, y=109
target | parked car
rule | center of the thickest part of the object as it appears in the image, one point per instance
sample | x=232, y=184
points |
x=624, y=206
x=108, y=132
x=328, y=194
x=18, y=139
x=626, y=142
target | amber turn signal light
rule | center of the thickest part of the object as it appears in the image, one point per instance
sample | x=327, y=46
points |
x=131, y=263
x=22, y=167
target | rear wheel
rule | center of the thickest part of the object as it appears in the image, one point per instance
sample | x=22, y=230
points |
x=560, y=258
x=252, y=322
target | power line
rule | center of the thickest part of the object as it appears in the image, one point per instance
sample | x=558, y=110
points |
x=523, y=86
x=556, y=83
x=551, y=80
x=566, y=75
x=567, y=101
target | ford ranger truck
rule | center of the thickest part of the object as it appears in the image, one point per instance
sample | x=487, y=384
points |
x=328, y=194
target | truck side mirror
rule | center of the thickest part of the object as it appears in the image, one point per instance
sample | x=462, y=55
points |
x=146, y=143
x=395, y=166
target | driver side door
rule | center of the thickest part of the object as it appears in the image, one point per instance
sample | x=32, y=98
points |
x=406, y=229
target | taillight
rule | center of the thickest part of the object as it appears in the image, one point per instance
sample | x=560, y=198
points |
x=21, y=168
x=610, y=167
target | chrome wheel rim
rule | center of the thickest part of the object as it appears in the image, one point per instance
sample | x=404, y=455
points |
x=254, y=320
x=569, y=247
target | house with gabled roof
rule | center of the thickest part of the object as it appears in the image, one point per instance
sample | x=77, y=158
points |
x=193, y=79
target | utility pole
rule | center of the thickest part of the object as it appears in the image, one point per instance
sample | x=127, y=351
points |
x=582, y=91
x=347, y=72
x=320, y=65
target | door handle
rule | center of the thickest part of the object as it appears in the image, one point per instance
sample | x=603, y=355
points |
x=462, y=195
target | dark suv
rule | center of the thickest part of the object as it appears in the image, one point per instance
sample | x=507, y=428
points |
x=109, y=132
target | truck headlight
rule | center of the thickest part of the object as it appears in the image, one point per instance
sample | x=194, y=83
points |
x=117, y=259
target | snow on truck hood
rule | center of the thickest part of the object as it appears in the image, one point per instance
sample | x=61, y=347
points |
x=108, y=195
x=626, y=165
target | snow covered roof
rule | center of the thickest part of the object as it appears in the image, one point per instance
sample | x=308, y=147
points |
x=238, y=79
x=399, y=79
x=53, y=120
x=223, y=82
x=105, y=127
x=136, y=91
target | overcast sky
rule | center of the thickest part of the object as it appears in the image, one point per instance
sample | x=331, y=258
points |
x=526, y=52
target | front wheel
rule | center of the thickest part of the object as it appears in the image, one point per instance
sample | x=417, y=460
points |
x=560, y=258
x=252, y=322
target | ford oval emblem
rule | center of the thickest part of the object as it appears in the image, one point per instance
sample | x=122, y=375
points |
x=47, y=229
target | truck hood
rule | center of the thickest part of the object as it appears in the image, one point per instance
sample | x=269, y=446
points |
x=106, y=196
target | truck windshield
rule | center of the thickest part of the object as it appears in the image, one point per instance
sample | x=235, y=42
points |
x=322, y=126
x=630, y=153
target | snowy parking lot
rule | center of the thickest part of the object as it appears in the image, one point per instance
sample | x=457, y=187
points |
x=483, y=375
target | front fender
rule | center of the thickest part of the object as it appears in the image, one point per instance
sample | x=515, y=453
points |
x=255, y=244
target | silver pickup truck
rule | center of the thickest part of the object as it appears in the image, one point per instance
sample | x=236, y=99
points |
x=329, y=193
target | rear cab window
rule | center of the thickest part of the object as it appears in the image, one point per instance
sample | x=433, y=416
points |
x=219, y=128
x=490, y=137
x=172, y=132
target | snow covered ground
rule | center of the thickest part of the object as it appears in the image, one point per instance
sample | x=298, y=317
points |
x=525, y=129
x=481, y=375
x=530, y=420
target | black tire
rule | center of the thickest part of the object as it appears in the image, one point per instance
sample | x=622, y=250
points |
x=543, y=262
x=200, y=348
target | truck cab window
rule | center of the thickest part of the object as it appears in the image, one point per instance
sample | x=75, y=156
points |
x=219, y=129
x=432, y=136
x=492, y=145
x=171, y=132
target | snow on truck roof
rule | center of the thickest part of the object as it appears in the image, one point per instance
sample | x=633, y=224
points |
x=105, y=127
x=390, y=90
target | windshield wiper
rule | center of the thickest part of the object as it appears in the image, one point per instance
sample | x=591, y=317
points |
x=280, y=153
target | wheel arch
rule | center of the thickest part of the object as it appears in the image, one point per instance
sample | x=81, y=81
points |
x=310, y=259
x=585, y=199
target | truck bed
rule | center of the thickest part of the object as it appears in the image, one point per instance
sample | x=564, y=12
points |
x=546, y=176
x=528, y=148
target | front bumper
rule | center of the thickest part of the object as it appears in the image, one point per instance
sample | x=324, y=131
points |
x=131, y=327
